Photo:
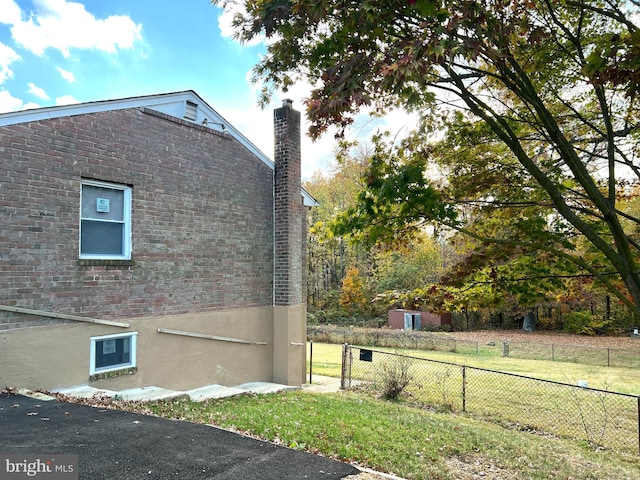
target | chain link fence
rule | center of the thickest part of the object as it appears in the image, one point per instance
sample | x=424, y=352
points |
x=600, y=418
x=418, y=340
x=583, y=354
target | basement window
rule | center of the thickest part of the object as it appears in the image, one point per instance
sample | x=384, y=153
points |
x=105, y=221
x=113, y=352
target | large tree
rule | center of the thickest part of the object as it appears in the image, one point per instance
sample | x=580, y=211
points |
x=556, y=81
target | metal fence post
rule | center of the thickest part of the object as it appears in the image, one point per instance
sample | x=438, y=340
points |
x=553, y=352
x=638, y=423
x=345, y=380
x=464, y=388
x=311, y=361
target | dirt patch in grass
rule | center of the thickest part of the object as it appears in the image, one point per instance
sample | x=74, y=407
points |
x=472, y=467
x=487, y=336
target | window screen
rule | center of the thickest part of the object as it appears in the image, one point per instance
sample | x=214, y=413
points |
x=105, y=221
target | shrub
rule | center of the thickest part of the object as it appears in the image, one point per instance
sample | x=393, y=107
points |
x=584, y=323
x=395, y=376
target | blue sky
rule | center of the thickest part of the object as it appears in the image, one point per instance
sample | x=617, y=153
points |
x=55, y=52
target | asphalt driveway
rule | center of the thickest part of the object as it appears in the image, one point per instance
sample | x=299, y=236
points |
x=112, y=444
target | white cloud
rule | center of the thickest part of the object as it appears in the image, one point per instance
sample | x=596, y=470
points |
x=37, y=91
x=66, y=100
x=225, y=20
x=9, y=103
x=63, y=25
x=30, y=105
x=9, y=12
x=66, y=75
x=225, y=23
x=7, y=57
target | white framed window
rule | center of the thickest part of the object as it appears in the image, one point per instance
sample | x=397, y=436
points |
x=113, y=352
x=105, y=220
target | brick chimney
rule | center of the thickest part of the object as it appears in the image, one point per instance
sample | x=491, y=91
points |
x=289, y=241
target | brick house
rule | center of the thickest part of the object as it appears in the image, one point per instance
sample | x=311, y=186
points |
x=146, y=241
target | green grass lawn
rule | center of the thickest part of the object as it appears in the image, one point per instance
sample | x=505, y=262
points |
x=410, y=442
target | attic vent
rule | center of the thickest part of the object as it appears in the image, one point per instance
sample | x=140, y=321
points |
x=191, y=110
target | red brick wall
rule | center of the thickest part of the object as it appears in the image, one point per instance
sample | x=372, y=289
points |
x=202, y=218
